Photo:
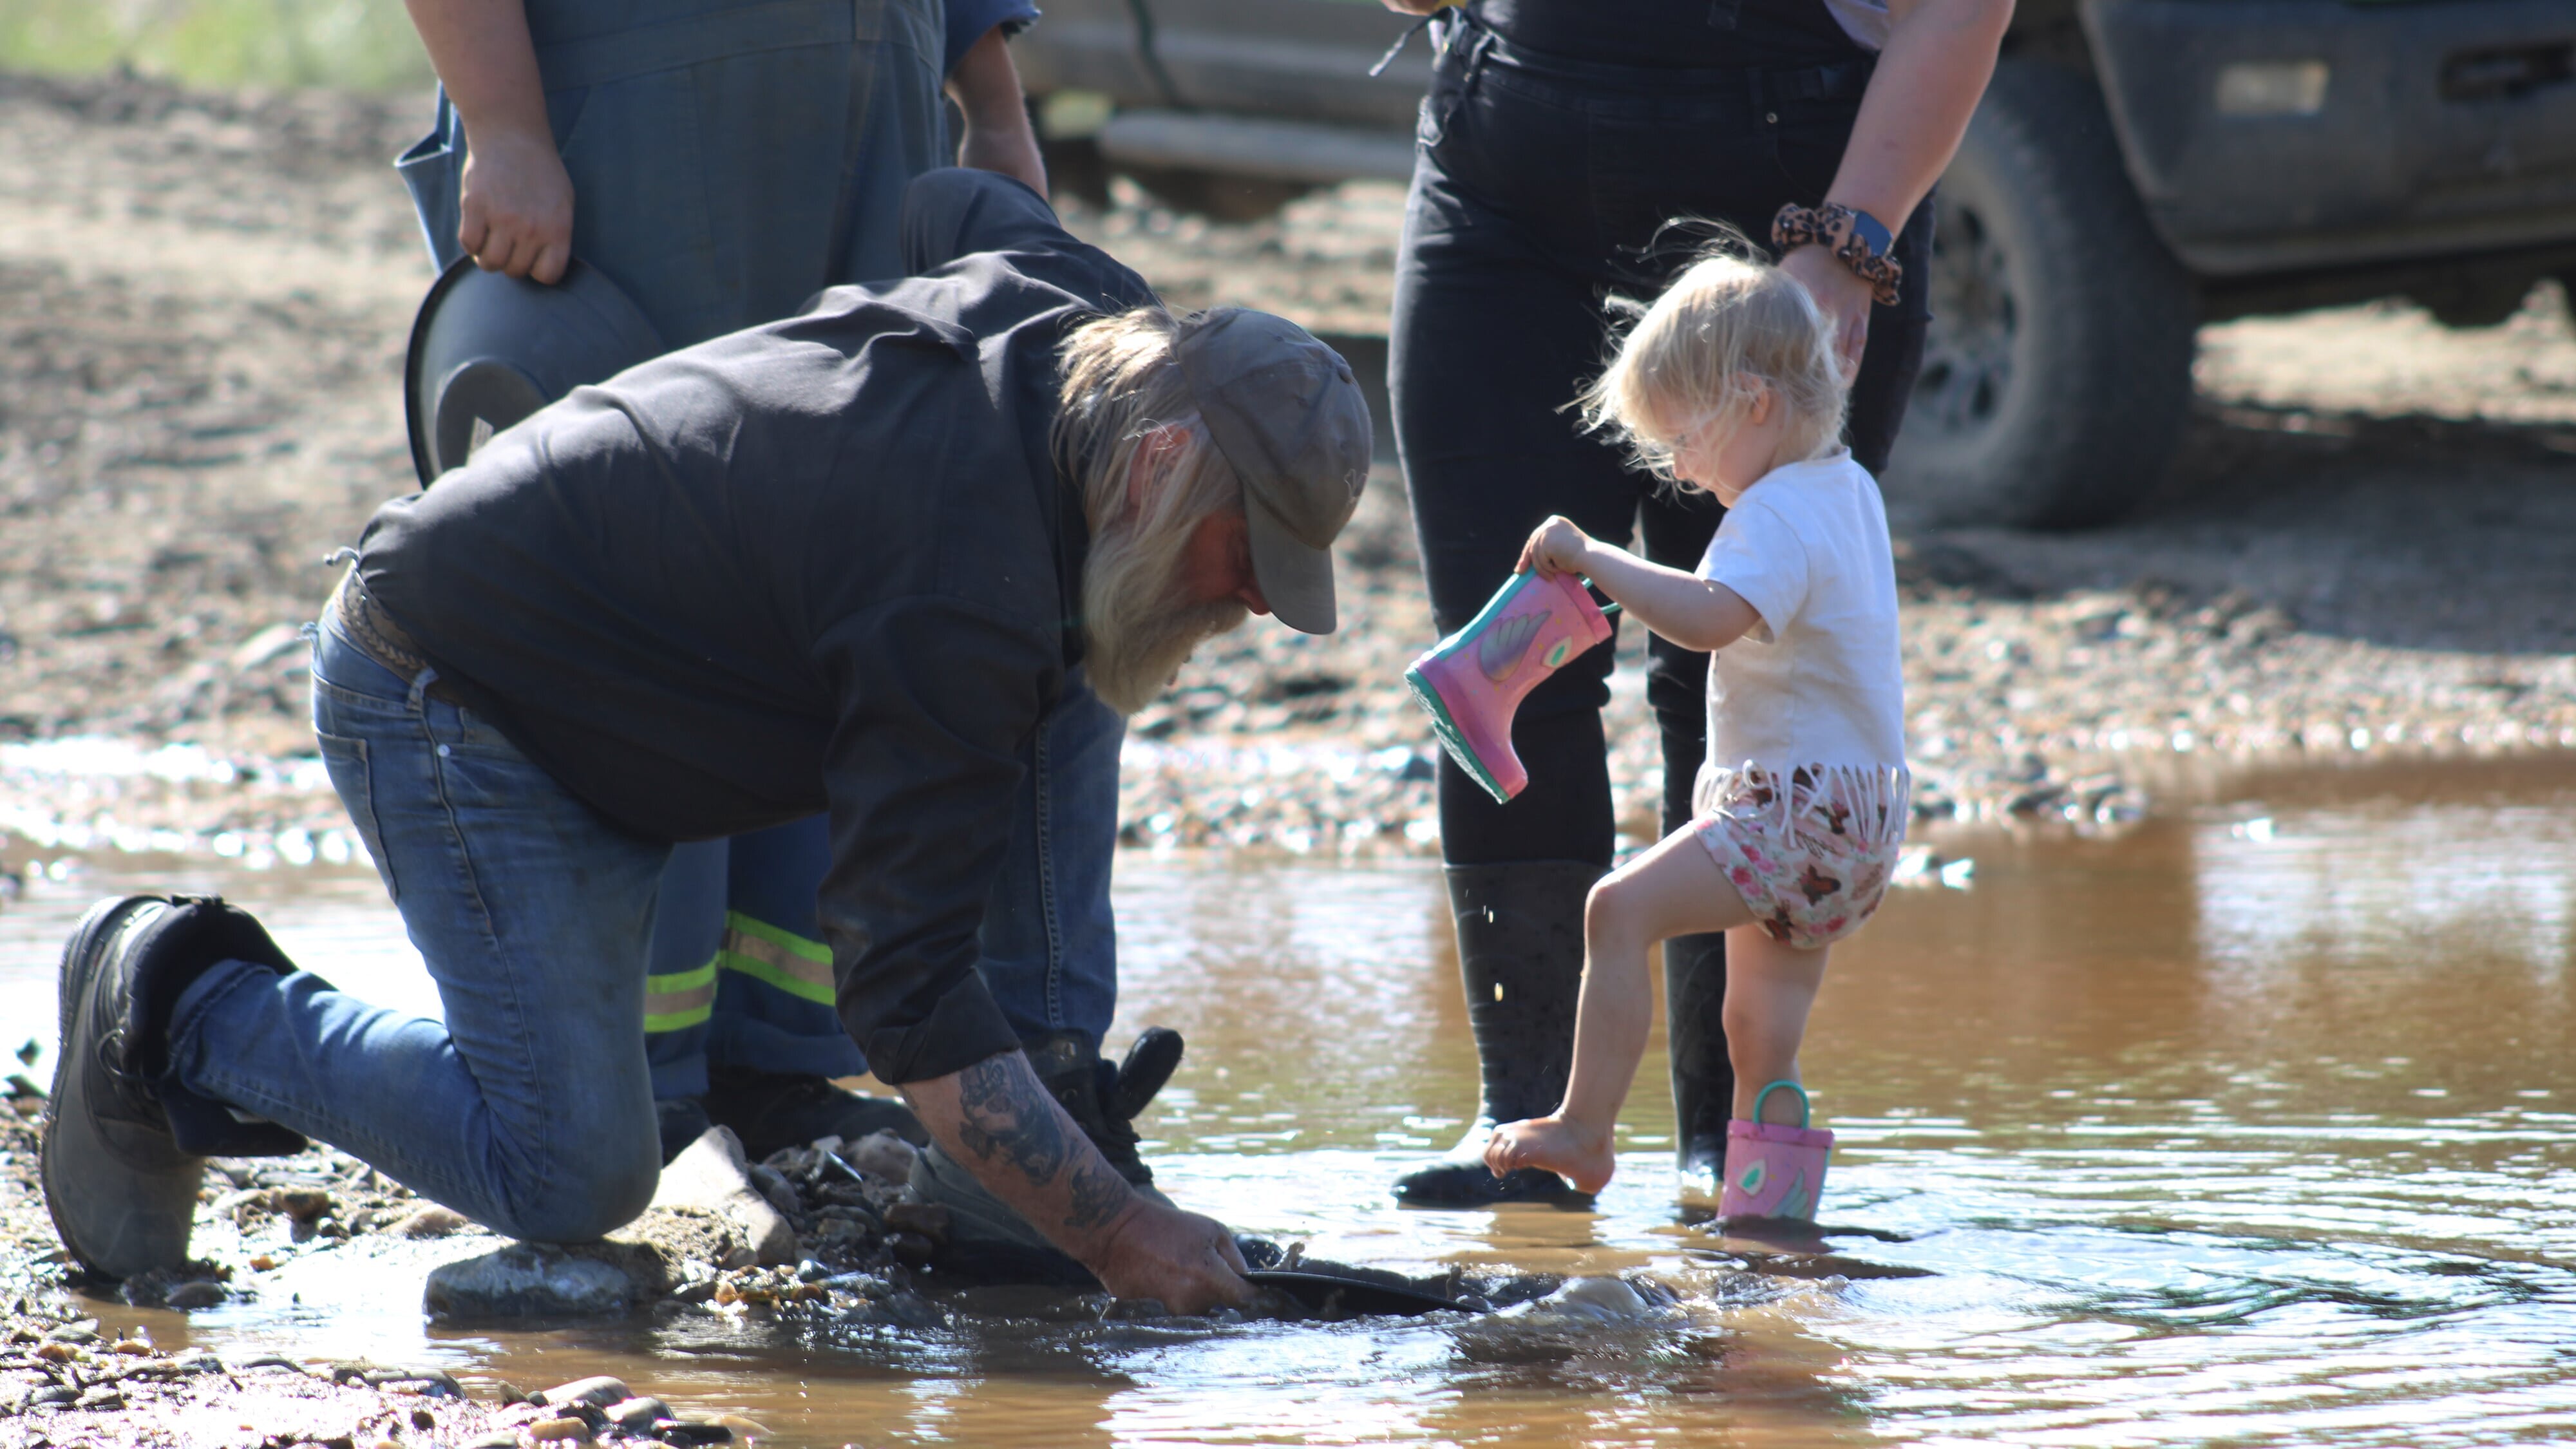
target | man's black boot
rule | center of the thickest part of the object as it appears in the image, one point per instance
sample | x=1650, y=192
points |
x=120, y=1165
x=771, y=1110
x=1703, y=1074
x=987, y=1240
x=1520, y=953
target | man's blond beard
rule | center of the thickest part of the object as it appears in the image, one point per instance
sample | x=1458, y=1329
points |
x=1137, y=628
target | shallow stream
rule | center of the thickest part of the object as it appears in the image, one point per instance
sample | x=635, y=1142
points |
x=2254, y=1125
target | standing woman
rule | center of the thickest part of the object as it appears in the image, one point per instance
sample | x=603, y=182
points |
x=1557, y=138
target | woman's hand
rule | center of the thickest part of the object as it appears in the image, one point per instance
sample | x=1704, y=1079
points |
x=1556, y=547
x=1840, y=294
x=515, y=215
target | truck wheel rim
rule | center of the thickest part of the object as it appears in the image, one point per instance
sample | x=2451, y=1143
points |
x=1968, y=356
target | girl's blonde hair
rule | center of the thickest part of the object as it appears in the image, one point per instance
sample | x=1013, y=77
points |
x=1727, y=321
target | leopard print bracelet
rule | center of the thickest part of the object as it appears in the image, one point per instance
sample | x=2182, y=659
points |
x=1830, y=226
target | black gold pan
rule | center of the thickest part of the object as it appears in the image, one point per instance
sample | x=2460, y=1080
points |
x=1322, y=1289
x=487, y=350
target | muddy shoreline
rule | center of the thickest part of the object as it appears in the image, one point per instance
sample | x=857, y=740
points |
x=2362, y=549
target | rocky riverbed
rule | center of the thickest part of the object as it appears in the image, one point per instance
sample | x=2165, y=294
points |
x=815, y=1245
x=816, y=1240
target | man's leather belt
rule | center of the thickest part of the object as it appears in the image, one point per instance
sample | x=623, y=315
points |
x=367, y=626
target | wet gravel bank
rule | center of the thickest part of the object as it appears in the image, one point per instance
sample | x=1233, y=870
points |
x=2362, y=550
x=78, y=1364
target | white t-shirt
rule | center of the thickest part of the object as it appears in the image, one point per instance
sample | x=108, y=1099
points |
x=1818, y=679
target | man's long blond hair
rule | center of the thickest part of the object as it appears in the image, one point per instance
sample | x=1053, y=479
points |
x=1125, y=413
x=1729, y=320
x=1121, y=391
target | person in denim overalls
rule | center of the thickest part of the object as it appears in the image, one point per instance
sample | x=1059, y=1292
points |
x=1556, y=142
x=722, y=162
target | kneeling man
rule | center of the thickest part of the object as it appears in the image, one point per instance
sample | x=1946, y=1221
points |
x=839, y=563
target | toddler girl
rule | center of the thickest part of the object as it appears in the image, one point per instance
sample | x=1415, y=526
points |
x=1730, y=384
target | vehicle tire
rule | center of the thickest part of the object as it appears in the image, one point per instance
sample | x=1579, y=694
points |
x=2056, y=380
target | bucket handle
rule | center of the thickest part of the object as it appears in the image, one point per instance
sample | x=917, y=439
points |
x=1806, y=1110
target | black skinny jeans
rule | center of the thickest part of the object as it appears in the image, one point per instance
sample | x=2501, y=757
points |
x=1538, y=188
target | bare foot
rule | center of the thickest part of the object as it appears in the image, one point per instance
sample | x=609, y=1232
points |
x=1553, y=1144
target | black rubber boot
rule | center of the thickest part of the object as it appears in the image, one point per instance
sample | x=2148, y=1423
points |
x=1703, y=1074
x=989, y=1242
x=1520, y=953
x=771, y=1110
x=121, y=1164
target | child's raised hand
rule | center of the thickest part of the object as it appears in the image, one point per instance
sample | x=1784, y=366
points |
x=1552, y=1144
x=1555, y=547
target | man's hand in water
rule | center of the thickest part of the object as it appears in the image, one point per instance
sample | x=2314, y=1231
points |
x=1187, y=1261
x=1552, y=1144
x=997, y=1121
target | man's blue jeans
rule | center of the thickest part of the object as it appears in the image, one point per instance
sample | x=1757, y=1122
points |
x=530, y=1109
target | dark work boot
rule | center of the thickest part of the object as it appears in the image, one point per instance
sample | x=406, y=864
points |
x=988, y=1241
x=1520, y=953
x=771, y=1110
x=120, y=1165
x=679, y=1121
x=1703, y=1074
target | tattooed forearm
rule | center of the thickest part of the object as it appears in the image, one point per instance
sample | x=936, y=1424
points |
x=1005, y=1113
x=1098, y=1192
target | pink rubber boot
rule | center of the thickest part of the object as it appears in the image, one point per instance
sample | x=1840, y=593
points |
x=1473, y=680
x=1774, y=1171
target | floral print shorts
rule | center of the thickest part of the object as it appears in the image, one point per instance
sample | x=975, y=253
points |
x=1810, y=854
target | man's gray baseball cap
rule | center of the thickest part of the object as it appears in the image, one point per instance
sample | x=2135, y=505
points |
x=1287, y=414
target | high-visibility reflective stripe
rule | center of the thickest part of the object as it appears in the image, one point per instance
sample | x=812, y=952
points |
x=782, y=959
x=657, y=1022
x=680, y=1000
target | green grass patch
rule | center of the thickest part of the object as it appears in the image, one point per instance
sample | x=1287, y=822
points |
x=278, y=44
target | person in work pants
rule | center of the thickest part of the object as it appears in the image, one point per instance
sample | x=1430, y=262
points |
x=1556, y=142
x=688, y=150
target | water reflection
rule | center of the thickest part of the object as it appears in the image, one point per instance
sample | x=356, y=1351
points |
x=2215, y=1132
x=2364, y=883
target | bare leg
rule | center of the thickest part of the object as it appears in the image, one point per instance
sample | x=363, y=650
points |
x=1673, y=889
x=1770, y=987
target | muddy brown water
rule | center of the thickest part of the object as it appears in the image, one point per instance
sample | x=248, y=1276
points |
x=2254, y=1125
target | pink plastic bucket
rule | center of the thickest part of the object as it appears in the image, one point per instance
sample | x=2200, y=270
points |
x=1774, y=1171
